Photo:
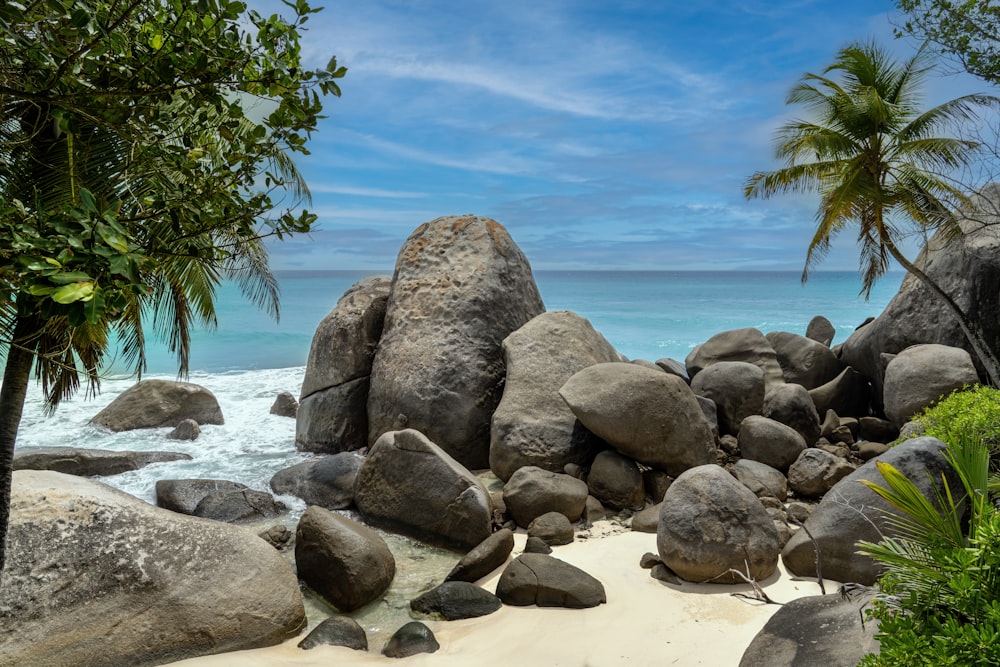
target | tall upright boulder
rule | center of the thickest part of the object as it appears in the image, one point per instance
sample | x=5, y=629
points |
x=966, y=266
x=533, y=426
x=333, y=406
x=461, y=286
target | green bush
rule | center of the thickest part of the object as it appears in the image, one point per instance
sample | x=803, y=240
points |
x=967, y=413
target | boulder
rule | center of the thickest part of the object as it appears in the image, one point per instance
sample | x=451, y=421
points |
x=921, y=375
x=552, y=527
x=647, y=520
x=216, y=499
x=411, y=639
x=791, y=404
x=532, y=491
x=761, y=479
x=532, y=425
x=347, y=563
x=816, y=471
x=542, y=580
x=616, y=481
x=158, y=404
x=460, y=287
x=803, y=360
x=95, y=577
x=877, y=430
x=736, y=388
x=484, y=558
x=821, y=330
x=188, y=429
x=338, y=630
x=285, y=405
x=650, y=416
x=747, y=344
x=183, y=495
x=850, y=512
x=88, y=462
x=326, y=481
x=849, y=395
x=711, y=524
x=827, y=630
x=674, y=367
x=769, y=442
x=455, y=600
x=449, y=506
x=966, y=266
x=333, y=412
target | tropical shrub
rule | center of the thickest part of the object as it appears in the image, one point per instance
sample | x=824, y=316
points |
x=970, y=412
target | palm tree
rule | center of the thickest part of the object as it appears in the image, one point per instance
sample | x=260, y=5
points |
x=877, y=162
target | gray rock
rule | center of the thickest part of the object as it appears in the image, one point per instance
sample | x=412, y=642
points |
x=88, y=462
x=747, y=344
x=548, y=582
x=157, y=404
x=347, y=563
x=803, y=360
x=920, y=375
x=647, y=520
x=791, y=404
x=533, y=425
x=278, y=536
x=849, y=395
x=553, y=528
x=461, y=286
x=238, y=506
x=710, y=523
x=868, y=450
x=769, y=442
x=333, y=412
x=878, y=430
x=411, y=639
x=711, y=412
x=97, y=578
x=455, y=600
x=656, y=483
x=821, y=330
x=761, y=479
x=285, y=405
x=736, y=387
x=184, y=495
x=532, y=491
x=850, y=512
x=825, y=630
x=816, y=471
x=338, y=630
x=326, y=481
x=536, y=545
x=450, y=506
x=616, y=481
x=650, y=416
x=593, y=511
x=484, y=558
x=188, y=429
x=674, y=367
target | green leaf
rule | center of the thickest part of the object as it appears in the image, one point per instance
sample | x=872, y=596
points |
x=73, y=292
x=67, y=277
x=93, y=309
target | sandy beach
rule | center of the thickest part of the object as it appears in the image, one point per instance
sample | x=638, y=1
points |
x=645, y=622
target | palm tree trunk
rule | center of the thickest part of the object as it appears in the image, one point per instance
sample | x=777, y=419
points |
x=973, y=332
x=15, y=385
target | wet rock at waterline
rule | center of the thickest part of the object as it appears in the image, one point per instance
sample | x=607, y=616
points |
x=411, y=639
x=88, y=462
x=159, y=403
x=284, y=405
x=216, y=499
x=188, y=429
x=455, y=600
x=339, y=630
x=484, y=558
x=326, y=481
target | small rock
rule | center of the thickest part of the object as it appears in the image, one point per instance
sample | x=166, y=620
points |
x=339, y=630
x=661, y=572
x=553, y=528
x=285, y=405
x=648, y=560
x=536, y=545
x=411, y=639
x=188, y=429
x=455, y=600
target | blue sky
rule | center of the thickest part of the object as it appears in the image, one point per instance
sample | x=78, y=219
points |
x=603, y=135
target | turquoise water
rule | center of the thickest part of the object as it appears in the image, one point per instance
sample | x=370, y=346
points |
x=644, y=314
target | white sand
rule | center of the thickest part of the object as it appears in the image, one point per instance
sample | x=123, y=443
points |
x=645, y=622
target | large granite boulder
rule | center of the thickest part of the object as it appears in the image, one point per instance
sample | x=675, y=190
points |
x=747, y=344
x=157, y=404
x=803, y=360
x=710, y=524
x=770, y=442
x=326, y=481
x=545, y=581
x=333, y=404
x=966, y=266
x=347, y=563
x=217, y=499
x=850, y=512
x=792, y=405
x=88, y=462
x=95, y=577
x=736, y=388
x=531, y=492
x=921, y=375
x=533, y=426
x=408, y=483
x=460, y=287
x=647, y=415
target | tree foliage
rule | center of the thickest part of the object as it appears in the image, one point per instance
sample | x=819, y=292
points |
x=969, y=30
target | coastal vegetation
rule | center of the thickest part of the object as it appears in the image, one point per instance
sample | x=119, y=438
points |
x=144, y=157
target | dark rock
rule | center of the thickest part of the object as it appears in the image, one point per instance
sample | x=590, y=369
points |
x=188, y=429
x=710, y=523
x=411, y=639
x=278, y=536
x=449, y=506
x=821, y=330
x=869, y=450
x=747, y=345
x=238, y=505
x=157, y=404
x=345, y=562
x=878, y=430
x=454, y=600
x=648, y=560
x=769, y=442
x=593, y=511
x=533, y=425
x=326, y=481
x=920, y=375
x=647, y=520
x=661, y=572
x=460, y=287
x=650, y=416
x=536, y=545
x=816, y=471
x=736, y=388
x=88, y=462
x=335, y=419
x=791, y=404
x=484, y=558
x=674, y=367
x=339, y=630
x=552, y=527
x=184, y=495
x=804, y=361
x=761, y=479
x=548, y=582
x=656, y=483
x=848, y=394
x=616, y=481
x=531, y=492
x=285, y=405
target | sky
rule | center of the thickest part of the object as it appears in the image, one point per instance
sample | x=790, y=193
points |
x=603, y=135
